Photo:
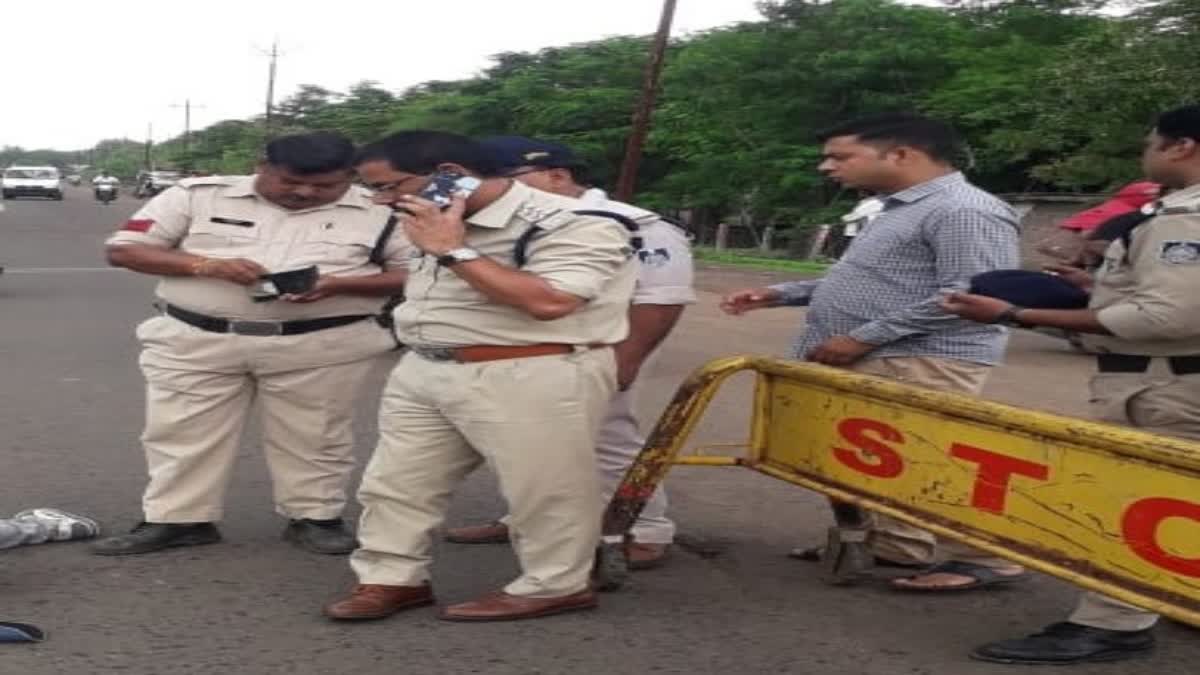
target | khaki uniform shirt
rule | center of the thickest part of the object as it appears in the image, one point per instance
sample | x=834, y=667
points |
x=1149, y=295
x=223, y=217
x=586, y=256
x=665, y=268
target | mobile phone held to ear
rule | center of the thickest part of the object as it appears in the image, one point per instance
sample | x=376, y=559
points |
x=446, y=184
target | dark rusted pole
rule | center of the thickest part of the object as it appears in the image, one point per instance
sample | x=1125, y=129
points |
x=627, y=181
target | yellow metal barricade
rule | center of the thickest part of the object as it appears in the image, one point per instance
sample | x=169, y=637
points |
x=1105, y=507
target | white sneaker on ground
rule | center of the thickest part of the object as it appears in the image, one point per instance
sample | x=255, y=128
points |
x=60, y=525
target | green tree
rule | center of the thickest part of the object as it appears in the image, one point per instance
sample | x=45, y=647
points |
x=1051, y=94
x=308, y=104
x=1089, y=108
x=999, y=77
x=742, y=106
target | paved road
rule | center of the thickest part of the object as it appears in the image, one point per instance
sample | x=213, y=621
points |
x=71, y=408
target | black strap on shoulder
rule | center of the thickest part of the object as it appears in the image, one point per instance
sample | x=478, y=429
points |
x=378, y=251
x=378, y=257
x=635, y=240
x=677, y=223
x=521, y=247
x=1123, y=226
x=629, y=223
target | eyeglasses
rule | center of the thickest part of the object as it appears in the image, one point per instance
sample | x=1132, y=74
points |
x=388, y=187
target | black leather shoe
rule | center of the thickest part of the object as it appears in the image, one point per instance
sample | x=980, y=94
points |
x=330, y=537
x=1067, y=643
x=150, y=537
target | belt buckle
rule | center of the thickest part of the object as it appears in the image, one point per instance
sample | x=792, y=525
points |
x=256, y=328
x=435, y=353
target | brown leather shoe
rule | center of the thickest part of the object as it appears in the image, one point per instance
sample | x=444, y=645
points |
x=492, y=533
x=501, y=606
x=646, y=556
x=376, y=601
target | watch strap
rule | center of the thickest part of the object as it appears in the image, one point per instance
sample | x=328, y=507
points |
x=458, y=255
x=1009, y=316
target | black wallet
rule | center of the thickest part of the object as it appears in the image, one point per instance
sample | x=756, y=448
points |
x=291, y=282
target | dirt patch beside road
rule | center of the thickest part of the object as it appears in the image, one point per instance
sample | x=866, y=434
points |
x=721, y=279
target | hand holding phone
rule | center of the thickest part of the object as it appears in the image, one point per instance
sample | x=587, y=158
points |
x=432, y=229
x=445, y=185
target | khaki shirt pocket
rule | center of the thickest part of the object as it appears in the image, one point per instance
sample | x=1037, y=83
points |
x=333, y=247
x=223, y=240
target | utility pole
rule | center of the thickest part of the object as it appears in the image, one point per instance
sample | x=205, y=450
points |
x=627, y=180
x=272, y=55
x=149, y=160
x=187, y=129
x=271, y=83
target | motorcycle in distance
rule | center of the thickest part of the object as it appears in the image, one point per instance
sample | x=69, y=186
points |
x=105, y=193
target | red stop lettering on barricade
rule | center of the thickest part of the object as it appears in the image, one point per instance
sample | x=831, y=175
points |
x=886, y=462
x=1140, y=526
x=995, y=471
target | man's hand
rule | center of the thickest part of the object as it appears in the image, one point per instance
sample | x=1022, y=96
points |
x=234, y=270
x=740, y=302
x=839, y=350
x=325, y=287
x=627, y=371
x=979, y=308
x=1074, y=276
x=431, y=229
x=1068, y=253
x=629, y=362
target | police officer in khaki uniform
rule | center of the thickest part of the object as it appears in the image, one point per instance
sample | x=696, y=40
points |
x=510, y=317
x=225, y=339
x=664, y=288
x=1144, y=322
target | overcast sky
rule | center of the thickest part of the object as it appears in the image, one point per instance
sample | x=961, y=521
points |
x=76, y=71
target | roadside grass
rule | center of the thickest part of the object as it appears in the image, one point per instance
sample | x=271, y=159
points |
x=755, y=259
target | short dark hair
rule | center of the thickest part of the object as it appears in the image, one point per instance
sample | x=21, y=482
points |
x=580, y=175
x=306, y=154
x=935, y=138
x=1180, y=123
x=421, y=151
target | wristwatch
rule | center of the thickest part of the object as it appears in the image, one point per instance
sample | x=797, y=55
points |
x=1009, y=317
x=458, y=255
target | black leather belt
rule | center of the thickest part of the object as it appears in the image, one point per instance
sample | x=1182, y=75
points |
x=214, y=324
x=1133, y=363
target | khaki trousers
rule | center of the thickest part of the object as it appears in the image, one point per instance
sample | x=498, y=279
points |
x=618, y=444
x=899, y=541
x=200, y=387
x=533, y=420
x=1157, y=401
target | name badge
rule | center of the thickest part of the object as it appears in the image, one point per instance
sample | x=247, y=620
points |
x=232, y=221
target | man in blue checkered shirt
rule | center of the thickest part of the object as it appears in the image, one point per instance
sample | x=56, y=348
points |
x=877, y=310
